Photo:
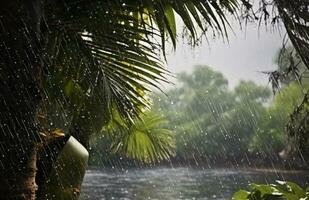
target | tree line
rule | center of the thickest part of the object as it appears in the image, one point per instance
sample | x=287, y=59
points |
x=213, y=124
x=245, y=125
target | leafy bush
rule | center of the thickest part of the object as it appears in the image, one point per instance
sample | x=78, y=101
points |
x=280, y=190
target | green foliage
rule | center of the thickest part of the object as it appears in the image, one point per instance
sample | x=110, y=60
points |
x=296, y=25
x=213, y=122
x=287, y=99
x=145, y=140
x=288, y=112
x=104, y=55
x=280, y=190
x=271, y=135
x=209, y=119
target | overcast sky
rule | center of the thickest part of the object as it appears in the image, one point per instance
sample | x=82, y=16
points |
x=247, y=53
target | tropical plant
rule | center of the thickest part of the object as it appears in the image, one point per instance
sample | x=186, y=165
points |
x=51, y=34
x=280, y=190
x=290, y=67
x=145, y=141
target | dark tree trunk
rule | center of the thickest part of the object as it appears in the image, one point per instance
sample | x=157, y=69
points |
x=20, y=65
x=20, y=183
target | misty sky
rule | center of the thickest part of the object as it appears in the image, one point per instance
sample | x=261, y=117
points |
x=247, y=53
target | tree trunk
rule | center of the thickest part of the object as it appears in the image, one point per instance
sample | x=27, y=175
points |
x=20, y=65
x=20, y=184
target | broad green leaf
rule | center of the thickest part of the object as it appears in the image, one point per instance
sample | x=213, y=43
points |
x=241, y=195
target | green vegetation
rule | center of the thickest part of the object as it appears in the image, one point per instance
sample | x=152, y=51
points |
x=213, y=124
x=145, y=141
x=70, y=64
x=280, y=190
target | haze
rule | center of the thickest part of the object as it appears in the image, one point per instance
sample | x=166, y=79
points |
x=247, y=53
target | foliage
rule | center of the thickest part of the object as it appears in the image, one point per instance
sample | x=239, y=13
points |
x=209, y=119
x=280, y=190
x=290, y=86
x=294, y=17
x=298, y=127
x=146, y=140
x=104, y=55
x=290, y=66
x=214, y=123
x=99, y=56
x=271, y=134
x=293, y=14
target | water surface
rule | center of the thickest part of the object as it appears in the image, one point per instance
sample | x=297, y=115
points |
x=176, y=183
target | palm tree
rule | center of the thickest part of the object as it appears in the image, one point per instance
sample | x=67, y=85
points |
x=89, y=57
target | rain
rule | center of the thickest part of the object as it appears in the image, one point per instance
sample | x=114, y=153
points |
x=135, y=100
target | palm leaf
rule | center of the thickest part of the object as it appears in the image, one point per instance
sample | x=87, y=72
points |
x=144, y=140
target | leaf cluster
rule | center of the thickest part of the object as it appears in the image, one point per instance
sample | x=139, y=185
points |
x=280, y=190
x=147, y=140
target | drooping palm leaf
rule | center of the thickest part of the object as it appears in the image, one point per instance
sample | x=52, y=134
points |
x=145, y=140
x=110, y=64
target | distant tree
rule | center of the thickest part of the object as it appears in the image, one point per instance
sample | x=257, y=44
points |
x=271, y=134
x=243, y=119
x=210, y=121
x=293, y=15
x=292, y=78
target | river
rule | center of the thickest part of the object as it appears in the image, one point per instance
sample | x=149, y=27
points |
x=176, y=183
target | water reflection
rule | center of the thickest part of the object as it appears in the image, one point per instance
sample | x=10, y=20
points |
x=176, y=183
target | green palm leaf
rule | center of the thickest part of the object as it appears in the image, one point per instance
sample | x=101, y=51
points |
x=144, y=140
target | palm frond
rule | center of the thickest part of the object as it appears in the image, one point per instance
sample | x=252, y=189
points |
x=145, y=140
x=111, y=64
x=198, y=16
